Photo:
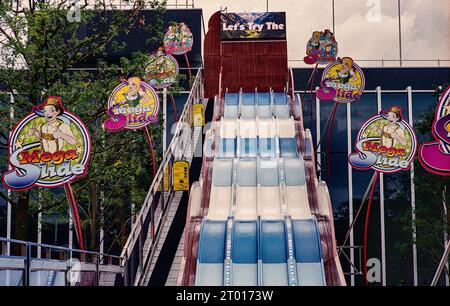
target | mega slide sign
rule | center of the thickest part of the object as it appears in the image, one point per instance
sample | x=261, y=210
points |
x=48, y=148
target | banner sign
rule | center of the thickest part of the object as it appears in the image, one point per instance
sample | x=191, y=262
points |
x=48, y=148
x=269, y=25
x=161, y=69
x=322, y=48
x=342, y=81
x=180, y=175
x=133, y=104
x=199, y=114
x=435, y=156
x=385, y=143
x=178, y=39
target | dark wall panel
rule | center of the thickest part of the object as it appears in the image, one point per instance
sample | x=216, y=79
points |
x=211, y=46
x=261, y=64
x=388, y=78
x=136, y=39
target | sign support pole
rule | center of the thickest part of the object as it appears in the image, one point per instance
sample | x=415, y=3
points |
x=330, y=131
x=413, y=196
x=69, y=212
x=366, y=226
x=311, y=81
x=174, y=106
x=164, y=142
x=39, y=225
x=9, y=206
x=74, y=210
x=189, y=66
x=150, y=144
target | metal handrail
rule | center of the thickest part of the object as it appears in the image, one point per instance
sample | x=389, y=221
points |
x=55, y=247
x=96, y=264
x=383, y=61
x=137, y=228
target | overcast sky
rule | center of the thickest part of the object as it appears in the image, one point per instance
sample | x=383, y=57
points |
x=365, y=29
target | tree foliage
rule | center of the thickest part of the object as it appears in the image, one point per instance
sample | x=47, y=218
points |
x=40, y=55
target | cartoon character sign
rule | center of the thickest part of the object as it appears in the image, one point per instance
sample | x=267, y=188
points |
x=161, y=69
x=321, y=48
x=178, y=39
x=435, y=156
x=346, y=80
x=385, y=143
x=48, y=148
x=133, y=104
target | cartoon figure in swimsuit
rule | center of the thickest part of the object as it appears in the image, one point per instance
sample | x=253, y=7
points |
x=135, y=94
x=329, y=41
x=184, y=32
x=55, y=132
x=346, y=74
x=158, y=66
x=392, y=134
x=314, y=41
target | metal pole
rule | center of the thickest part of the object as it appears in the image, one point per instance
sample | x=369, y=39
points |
x=400, y=32
x=164, y=142
x=350, y=193
x=9, y=207
x=441, y=264
x=39, y=225
x=334, y=29
x=413, y=195
x=56, y=232
x=319, y=159
x=102, y=231
x=102, y=216
x=366, y=193
x=97, y=269
x=125, y=269
x=27, y=265
x=70, y=228
x=444, y=204
x=382, y=220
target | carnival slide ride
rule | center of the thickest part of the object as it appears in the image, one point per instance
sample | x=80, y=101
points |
x=259, y=216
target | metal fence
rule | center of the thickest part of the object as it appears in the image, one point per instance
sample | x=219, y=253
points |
x=78, y=267
x=385, y=63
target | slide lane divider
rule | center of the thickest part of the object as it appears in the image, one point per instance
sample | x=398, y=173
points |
x=291, y=264
x=229, y=229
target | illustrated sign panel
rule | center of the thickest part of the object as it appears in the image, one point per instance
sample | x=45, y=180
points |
x=268, y=25
x=385, y=143
x=344, y=80
x=161, y=69
x=322, y=48
x=48, y=148
x=180, y=175
x=199, y=114
x=133, y=104
x=178, y=39
x=435, y=156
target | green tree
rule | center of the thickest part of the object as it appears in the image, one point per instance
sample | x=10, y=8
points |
x=39, y=50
